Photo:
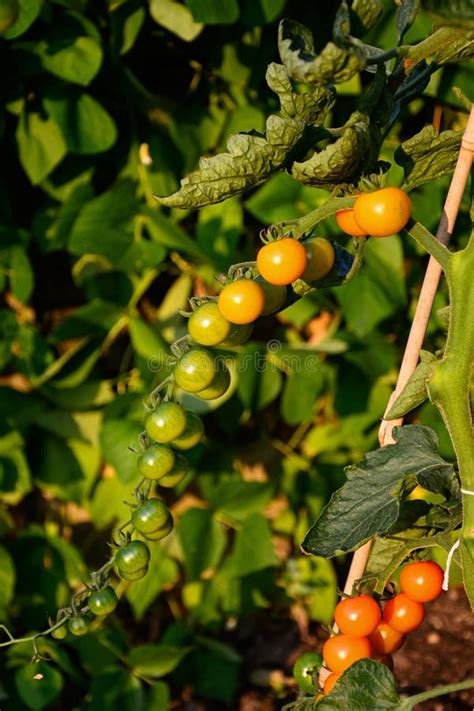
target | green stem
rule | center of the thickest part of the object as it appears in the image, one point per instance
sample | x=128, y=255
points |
x=305, y=224
x=360, y=244
x=430, y=243
x=438, y=691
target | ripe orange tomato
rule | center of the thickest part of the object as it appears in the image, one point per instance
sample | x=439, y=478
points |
x=422, y=581
x=385, y=640
x=341, y=651
x=403, y=614
x=282, y=261
x=241, y=301
x=320, y=254
x=346, y=222
x=358, y=616
x=330, y=681
x=383, y=212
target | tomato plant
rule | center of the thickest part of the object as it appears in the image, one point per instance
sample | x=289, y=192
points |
x=207, y=326
x=194, y=371
x=403, y=614
x=166, y=423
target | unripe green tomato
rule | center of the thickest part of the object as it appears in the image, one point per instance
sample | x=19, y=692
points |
x=9, y=11
x=275, y=296
x=207, y=326
x=304, y=670
x=150, y=516
x=321, y=257
x=157, y=461
x=192, y=434
x=103, y=602
x=177, y=475
x=218, y=387
x=238, y=335
x=60, y=633
x=131, y=558
x=194, y=371
x=137, y=575
x=78, y=626
x=166, y=422
x=162, y=532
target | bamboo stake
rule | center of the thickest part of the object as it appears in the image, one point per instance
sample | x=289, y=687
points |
x=419, y=325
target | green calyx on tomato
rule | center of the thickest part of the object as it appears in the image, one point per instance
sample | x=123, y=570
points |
x=78, y=626
x=166, y=422
x=194, y=371
x=304, y=670
x=275, y=296
x=103, y=602
x=207, y=326
x=157, y=461
x=218, y=387
x=132, y=560
x=192, y=434
x=150, y=516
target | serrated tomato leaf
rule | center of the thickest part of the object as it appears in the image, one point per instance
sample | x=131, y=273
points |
x=368, y=504
x=415, y=391
x=365, y=685
x=427, y=155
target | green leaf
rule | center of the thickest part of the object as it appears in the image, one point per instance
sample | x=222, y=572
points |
x=253, y=548
x=7, y=581
x=38, y=693
x=299, y=396
x=40, y=144
x=365, y=685
x=451, y=12
x=239, y=499
x=146, y=340
x=427, y=155
x=196, y=526
x=415, y=391
x=76, y=59
x=126, y=21
x=21, y=274
x=156, y=660
x=261, y=12
x=176, y=18
x=9, y=331
x=368, y=504
x=85, y=124
x=333, y=64
x=406, y=13
x=364, y=14
x=159, y=697
x=312, y=106
x=115, y=438
x=170, y=235
x=214, y=12
x=29, y=11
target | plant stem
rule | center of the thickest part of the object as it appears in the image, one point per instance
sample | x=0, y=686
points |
x=432, y=245
x=305, y=224
x=438, y=691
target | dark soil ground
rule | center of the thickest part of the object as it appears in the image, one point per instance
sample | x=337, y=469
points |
x=440, y=652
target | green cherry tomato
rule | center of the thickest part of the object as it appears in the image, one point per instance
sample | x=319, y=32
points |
x=207, y=326
x=194, y=371
x=275, y=296
x=238, y=335
x=9, y=11
x=103, y=602
x=60, y=633
x=132, y=558
x=150, y=516
x=218, y=387
x=166, y=422
x=162, y=532
x=192, y=434
x=176, y=476
x=157, y=461
x=137, y=575
x=78, y=626
x=304, y=669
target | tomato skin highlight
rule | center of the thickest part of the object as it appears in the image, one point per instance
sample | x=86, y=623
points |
x=386, y=640
x=341, y=651
x=346, y=222
x=166, y=422
x=357, y=616
x=383, y=212
x=192, y=434
x=422, y=581
x=321, y=256
x=304, y=669
x=282, y=261
x=207, y=326
x=103, y=602
x=330, y=682
x=242, y=302
x=195, y=370
x=403, y=614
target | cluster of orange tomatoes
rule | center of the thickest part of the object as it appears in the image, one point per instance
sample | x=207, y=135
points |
x=368, y=631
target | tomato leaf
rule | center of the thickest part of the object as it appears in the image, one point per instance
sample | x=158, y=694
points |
x=415, y=391
x=365, y=685
x=406, y=13
x=368, y=504
x=156, y=660
x=364, y=15
x=428, y=156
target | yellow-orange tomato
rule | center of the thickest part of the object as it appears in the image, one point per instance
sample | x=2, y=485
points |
x=404, y=614
x=357, y=615
x=346, y=222
x=320, y=254
x=330, y=681
x=385, y=640
x=422, y=581
x=282, y=261
x=341, y=651
x=241, y=301
x=383, y=212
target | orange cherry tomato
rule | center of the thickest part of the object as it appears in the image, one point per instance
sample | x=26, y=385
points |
x=403, y=614
x=241, y=301
x=383, y=212
x=282, y=261
x=385, y=640
x=320, y=254
x=330, y=681
x=422, y=581
x=358, y=616
x=346, y=222
x=341, y=651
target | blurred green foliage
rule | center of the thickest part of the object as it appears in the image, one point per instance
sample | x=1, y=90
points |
x=102, y=105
